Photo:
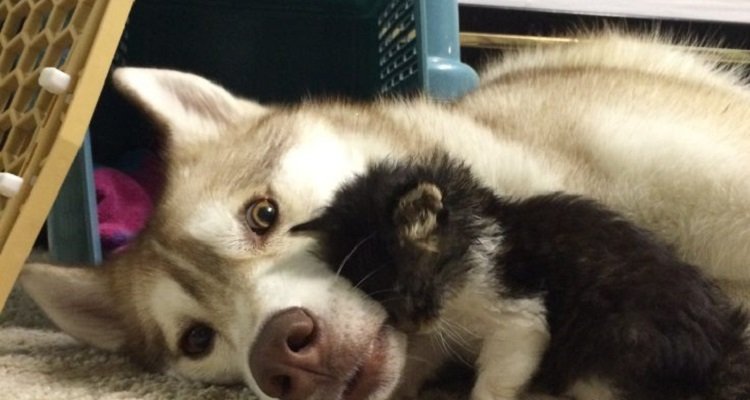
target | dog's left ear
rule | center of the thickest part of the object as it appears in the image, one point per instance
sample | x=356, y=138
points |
x=78, y=300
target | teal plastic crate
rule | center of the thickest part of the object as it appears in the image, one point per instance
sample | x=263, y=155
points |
x=272, y=51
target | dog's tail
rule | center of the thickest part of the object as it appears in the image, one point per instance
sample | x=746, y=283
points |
x=731, y=380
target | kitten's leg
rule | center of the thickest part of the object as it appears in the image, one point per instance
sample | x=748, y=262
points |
x=540, y=396
x=424, y=359
x=510, y=356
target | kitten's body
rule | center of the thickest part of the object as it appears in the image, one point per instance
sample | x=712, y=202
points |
x=554, y=293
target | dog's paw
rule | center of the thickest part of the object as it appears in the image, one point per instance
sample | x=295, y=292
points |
x=416, y=215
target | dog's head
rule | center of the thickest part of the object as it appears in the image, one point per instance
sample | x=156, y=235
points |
x=216, y=288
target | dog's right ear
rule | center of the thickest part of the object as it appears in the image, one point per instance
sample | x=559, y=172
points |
x=190, y=108
x=78, y=300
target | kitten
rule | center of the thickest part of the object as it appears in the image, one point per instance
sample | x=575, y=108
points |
x=552, y=294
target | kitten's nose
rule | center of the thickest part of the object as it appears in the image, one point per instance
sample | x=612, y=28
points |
x=287, y=357
x=409, y=319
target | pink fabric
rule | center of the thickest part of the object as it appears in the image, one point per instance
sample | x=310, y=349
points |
x=147, y=170
x=123, y=207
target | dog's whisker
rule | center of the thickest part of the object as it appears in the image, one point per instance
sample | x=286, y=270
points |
x=354, y=249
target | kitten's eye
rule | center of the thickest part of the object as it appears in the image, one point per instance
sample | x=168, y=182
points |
x=261, y=214
x=197, y=340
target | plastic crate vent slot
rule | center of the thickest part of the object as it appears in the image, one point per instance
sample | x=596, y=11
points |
x=397, y=44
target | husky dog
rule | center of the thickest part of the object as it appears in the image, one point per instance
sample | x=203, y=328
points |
x=217, y=289
x=554, y=287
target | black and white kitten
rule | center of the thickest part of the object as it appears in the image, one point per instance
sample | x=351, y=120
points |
x=553, y=294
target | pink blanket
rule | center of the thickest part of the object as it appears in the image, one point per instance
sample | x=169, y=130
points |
x=125, y=200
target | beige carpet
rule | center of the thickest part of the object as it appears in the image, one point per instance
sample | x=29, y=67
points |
x=38, y=362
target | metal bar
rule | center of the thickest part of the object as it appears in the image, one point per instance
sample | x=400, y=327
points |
x=508, y=42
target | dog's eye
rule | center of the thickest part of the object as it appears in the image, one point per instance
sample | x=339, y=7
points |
x=261, y=214
x=197, y=340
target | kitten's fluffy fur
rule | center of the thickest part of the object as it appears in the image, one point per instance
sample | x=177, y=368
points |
x=616, y=306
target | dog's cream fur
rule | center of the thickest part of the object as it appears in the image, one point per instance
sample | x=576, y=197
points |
x=658, y=135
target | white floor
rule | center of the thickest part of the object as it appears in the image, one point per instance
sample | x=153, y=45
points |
x=712, y=10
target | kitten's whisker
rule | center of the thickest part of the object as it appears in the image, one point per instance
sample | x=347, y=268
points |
x=448, y=349
x=437, y=343
x=459, y=357
x=459, y=331
x=387, y=299
x=420, y=359
x=445, y=327
x=450, y=334
x=457, y=339
x=464, y=329
x=380, y=291
x=443, y=342
x=367, y=277
x=354, y=249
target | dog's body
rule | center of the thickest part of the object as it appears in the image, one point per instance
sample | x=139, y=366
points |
x=545, y=294
x=651, y=132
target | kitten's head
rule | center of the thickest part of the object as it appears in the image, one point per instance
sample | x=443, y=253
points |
x=399, y=233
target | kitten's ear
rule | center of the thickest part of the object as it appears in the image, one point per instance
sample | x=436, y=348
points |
x=189, y=107
x=78, y=300
x=313, y=227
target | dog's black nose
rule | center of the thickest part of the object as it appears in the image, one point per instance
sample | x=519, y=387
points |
x=288, y=355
